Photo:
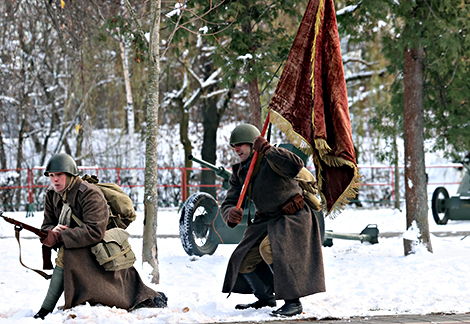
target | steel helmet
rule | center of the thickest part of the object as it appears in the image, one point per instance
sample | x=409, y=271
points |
x=245, y=133
x=61, y=163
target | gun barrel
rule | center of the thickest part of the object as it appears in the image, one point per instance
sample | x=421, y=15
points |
x=220, y=171
x=369, y=234
x=202, y=162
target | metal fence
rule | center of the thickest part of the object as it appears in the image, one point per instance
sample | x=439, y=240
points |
x=24, y=189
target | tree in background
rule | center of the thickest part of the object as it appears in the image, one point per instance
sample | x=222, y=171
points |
x=36, y=82
x=216, y=45
x=199, y=91
x=255, y=44
x=150, y=250
x=423, y=40
x=249, y=40
x=366, y=79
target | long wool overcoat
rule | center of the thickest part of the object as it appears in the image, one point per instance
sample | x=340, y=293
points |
x=295, y=239
x=84, y=279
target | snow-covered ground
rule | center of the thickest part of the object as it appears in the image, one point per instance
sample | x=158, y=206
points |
x=361, y=279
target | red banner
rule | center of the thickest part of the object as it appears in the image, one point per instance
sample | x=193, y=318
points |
x=311, y=105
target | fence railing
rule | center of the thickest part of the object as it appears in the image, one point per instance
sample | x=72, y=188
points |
x=24, y=189
x=382, y=181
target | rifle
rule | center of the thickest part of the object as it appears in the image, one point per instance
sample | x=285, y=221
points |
x=46, y=252
x=19, y=226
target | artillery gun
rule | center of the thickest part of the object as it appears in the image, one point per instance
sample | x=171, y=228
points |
x=456, y=207
x=202, y=228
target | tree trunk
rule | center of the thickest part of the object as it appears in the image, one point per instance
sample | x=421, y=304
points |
x=130, y=116
x=150, y=250
x=79, y=146
x=253, y=90
x=185, y=141
x=130, y=121
x=255, y=104
x=4, y=194
x=396, y=174
x=19, y=155
x=415, y=172
x=3, y=157
x=210, y=123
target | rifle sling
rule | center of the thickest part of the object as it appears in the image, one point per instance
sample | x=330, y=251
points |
x=42, y=273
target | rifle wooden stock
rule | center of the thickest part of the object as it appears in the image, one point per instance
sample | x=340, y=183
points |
x=19, y=225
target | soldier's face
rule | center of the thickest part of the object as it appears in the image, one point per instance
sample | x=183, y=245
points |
x=58, y=180
x=243, y=151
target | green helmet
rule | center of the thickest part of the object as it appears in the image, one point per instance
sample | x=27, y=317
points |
x=61, y=163
x=245, y=133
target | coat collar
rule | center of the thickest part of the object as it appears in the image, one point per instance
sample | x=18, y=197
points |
x=71, y=194
x=241, y=168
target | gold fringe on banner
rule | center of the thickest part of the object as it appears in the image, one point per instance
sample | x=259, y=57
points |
x=348, y=194
x=323, y=149
x=286, y=128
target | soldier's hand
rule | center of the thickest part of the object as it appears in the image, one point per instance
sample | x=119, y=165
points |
x=261, y=145
x=53, y=237
x=60, y=228
x=235, y=215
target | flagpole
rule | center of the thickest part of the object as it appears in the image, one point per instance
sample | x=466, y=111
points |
x=252, y=166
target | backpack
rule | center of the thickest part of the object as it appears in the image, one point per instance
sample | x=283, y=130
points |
x=114, y=251
x=121, y=205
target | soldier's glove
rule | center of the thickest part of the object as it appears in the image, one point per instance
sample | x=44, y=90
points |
x=53, y=237
x=261, y=145
x=235, y=216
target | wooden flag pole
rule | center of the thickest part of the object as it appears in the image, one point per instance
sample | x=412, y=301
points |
x=252, y=166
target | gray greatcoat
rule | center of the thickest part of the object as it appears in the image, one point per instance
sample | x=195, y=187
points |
x=295, y=239
x=84, y=279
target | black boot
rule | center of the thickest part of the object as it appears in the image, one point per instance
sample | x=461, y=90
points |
x=161, y=301
x=263, y=292
x=42, y=313
x=292, y=307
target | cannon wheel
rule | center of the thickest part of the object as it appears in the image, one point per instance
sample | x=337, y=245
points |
x=439, y=210
x=194, y=228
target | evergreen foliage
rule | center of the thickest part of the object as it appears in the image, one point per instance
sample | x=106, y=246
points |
x=441, y=27
x=249, y=39
x=62, y=75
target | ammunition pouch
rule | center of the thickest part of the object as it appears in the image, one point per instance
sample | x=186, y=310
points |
x=292, y=206
x=114, y=252
x=295, y=204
